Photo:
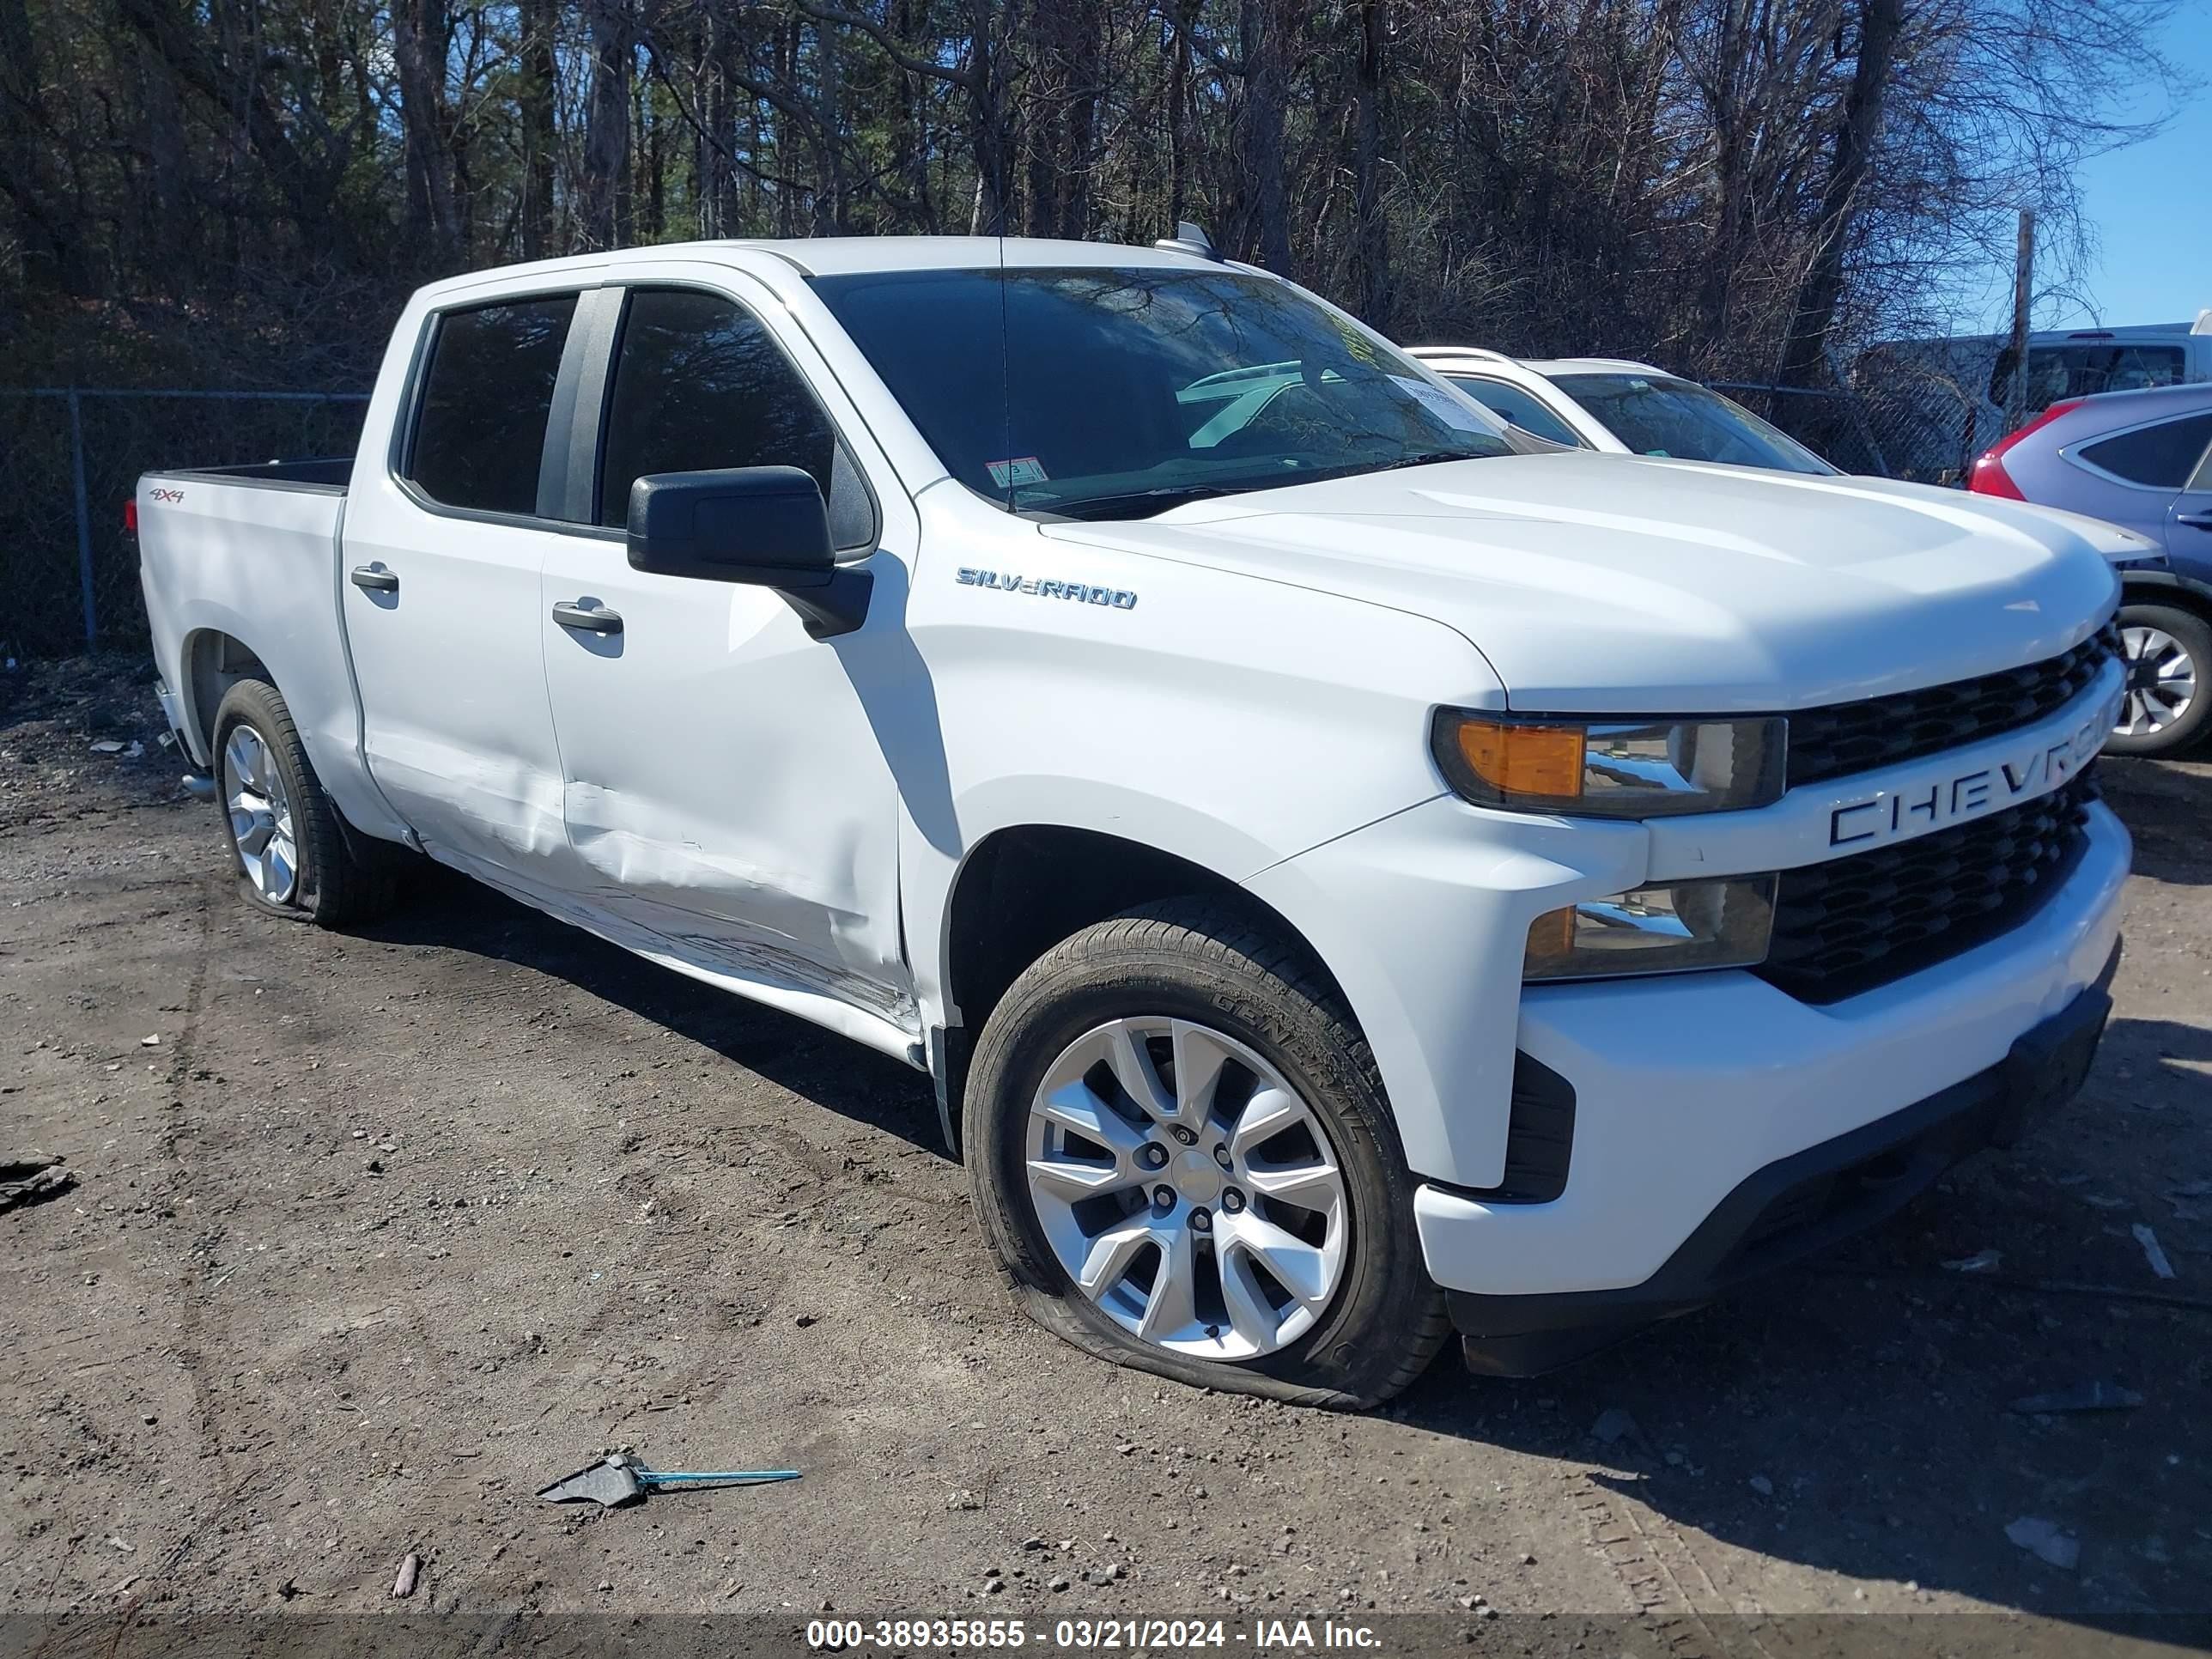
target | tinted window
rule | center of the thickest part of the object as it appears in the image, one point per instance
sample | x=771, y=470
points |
x=2079, y=371
x=2163, y=456
x=1099, y=393
x=699, y=383
x=1510, y=403
x=480, y=430
x=1659, y=414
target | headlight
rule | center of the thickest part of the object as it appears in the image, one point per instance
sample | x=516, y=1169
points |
x=1666, y=928
x=1612, y=769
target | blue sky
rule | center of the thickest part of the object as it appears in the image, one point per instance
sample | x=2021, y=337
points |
x=2150, y=207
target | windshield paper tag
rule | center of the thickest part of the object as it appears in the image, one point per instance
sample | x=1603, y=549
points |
x=1444, y=405
x=1022, y=469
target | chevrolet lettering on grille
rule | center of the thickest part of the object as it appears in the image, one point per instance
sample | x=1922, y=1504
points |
x=1893, y=815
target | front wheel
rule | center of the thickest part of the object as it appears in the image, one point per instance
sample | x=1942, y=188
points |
x=1182, y=1156
x=2168, y=651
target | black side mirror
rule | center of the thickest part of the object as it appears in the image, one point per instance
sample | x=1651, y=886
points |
x=765, y=526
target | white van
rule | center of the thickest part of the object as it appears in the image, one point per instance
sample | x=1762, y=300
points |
x=1959, y=388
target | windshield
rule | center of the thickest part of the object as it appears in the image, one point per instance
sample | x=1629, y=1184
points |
x=1659, y=414
x=1094, y=392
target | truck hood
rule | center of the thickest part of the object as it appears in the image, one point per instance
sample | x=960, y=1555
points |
x=1624, y=585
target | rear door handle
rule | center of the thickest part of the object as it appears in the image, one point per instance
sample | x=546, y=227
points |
x=586, y=622
x=374, y=579
x=2195, y=521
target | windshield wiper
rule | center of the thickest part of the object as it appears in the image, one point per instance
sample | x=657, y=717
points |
x=1144, y=503
x=1426, y=458
x=1431, y=457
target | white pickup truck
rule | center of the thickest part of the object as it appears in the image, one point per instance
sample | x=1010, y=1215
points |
x=1350, y=877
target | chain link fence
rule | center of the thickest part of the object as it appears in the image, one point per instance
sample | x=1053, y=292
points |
x=1917, y=422
x=69, y=459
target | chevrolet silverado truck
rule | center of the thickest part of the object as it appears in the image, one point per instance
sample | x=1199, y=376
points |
x=1353, y=874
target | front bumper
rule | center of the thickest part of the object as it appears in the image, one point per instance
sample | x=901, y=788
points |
x=1687, y=1084
x=1801, y=1204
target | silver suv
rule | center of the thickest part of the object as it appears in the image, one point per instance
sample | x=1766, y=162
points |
x=2142, y=460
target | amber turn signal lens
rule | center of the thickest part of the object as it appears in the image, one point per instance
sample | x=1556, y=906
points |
x=1522, y=759
x=1551, y=944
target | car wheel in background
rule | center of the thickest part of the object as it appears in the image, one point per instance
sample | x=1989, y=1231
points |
x=295, y=857
x=1182, y=1155
x=2168, y=651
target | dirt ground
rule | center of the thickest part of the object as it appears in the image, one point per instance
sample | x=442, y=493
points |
x=375, y=1234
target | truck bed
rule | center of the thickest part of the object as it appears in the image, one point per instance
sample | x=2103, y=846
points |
x=240, y=563
x=329, y=474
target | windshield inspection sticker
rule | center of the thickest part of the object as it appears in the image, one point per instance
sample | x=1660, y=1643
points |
x=1022, y=469
x=1442, y=404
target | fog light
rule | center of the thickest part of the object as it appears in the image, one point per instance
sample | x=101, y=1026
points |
x=1669, y=927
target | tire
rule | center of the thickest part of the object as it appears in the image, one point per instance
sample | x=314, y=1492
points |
x=1197, y=979
x=322, y=871
x=2181, y=642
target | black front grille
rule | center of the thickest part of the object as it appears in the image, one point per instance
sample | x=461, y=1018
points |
x=1854, y=923
x=1856, y=736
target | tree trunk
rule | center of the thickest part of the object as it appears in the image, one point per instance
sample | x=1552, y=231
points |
x=536, y=97
x=419, y=33
x=45, y=230
x=1371, y=231
x=1186, y=20
x=603, y=190
x=993, y=136
x=1856, y=134
x=1263, y=207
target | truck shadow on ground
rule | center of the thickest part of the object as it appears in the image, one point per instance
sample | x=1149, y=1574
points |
x=449, y=911
x=1857, y=1423
x=1855, y=1415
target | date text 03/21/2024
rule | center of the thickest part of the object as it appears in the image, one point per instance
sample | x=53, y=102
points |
x=1262, y=1635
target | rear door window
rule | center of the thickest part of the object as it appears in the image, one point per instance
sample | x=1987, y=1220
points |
x=699, y=383
x=2164, y=456
x=487, y=395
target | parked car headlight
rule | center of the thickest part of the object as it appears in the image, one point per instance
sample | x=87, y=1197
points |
x=1666, y=928
x=1612, y=769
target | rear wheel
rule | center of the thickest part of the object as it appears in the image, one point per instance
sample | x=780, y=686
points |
x=2168, y=652
x=1182, y=1155
x=296, y=857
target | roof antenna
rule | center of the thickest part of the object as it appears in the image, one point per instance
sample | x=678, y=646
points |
x=1190, y=238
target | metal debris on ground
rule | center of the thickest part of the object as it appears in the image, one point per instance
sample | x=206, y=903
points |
x=32, y=1176
x=1982, y=1261
x=1613, y=1424
x=616, y=1480
x=2046, y=1541
x=2088, y=1397
x=409, y=1570
x=2152, y=1251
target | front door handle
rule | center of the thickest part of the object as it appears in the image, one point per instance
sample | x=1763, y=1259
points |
x=2195, y=521
x=586, y=622
x=374, y=579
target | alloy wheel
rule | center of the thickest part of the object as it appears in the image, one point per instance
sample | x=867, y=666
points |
x=260, y=815
x=1186, y=1189
x=2162, y=680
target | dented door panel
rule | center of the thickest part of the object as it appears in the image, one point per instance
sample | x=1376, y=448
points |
x=723, y=784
